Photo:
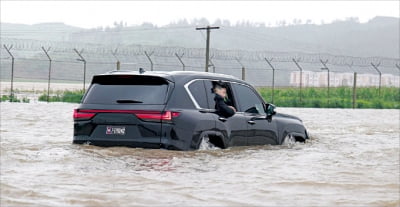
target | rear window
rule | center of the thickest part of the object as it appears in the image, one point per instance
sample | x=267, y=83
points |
x=127, y=89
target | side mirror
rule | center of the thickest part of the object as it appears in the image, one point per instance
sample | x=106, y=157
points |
x=270, y=109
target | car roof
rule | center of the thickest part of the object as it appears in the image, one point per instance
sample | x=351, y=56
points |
x=176, y=75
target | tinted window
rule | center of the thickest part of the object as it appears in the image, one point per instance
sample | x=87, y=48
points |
x=248, y=100
x=127, y=90
x=210, y=94
x=197, y=90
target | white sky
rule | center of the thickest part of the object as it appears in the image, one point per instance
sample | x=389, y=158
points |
x=89, y=14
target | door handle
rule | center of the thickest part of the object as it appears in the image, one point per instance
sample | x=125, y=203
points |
x=251, y=122
x=222, y=119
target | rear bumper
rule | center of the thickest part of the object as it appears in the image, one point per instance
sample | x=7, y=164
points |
x=166, y=143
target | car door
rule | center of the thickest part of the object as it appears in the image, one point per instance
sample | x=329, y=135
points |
x=234, y=128
x=261, y=130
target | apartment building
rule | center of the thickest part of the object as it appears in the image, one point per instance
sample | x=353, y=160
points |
x=320, y=79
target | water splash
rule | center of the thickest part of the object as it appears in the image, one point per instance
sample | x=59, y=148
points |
x=207, y=145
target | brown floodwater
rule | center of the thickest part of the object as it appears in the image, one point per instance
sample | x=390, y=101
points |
x=352, y=159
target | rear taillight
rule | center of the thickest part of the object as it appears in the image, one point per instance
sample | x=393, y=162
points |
x=82, y=115
x=156, y=116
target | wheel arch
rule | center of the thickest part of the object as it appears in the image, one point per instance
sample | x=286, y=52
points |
x=298, y=131
x=215, y=137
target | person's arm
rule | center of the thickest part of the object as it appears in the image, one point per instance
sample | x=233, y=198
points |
x=222, y=108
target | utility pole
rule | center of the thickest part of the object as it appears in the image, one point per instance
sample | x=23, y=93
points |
x=12, y=71
x=327, y=69
x=273, y=77
x=48, y=81
x=180, y=60
x=208, y=28
x=84, y=67
x=380, y=75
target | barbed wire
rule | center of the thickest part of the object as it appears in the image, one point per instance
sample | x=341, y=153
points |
x=163, y=51
x=31, y=62
x=332, y=60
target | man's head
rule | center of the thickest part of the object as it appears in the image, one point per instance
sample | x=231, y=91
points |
x=220, y=89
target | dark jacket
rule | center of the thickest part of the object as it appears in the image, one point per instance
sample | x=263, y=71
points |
x=222, y=108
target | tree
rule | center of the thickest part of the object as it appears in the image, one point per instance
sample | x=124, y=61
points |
x=226, y=23
x=296, y=21
x=217, y=22
x=353, y=19
x=281, y=23
x=147, y=25
x=203, y=21
x=182, y=22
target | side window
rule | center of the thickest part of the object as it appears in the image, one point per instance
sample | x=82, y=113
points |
x=248, y=101
x=197, y=90
x=209, y=85
x=210, y=94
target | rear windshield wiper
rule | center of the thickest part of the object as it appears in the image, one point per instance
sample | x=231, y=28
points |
x=128, y=101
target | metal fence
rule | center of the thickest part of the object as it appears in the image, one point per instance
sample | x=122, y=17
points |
x=60, y=61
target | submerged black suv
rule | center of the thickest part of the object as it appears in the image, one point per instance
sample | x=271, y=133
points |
x=176, y=110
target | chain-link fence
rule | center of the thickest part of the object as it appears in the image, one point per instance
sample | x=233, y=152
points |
x=259, y=68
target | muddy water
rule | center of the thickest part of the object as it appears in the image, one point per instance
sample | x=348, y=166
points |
x=351, y=160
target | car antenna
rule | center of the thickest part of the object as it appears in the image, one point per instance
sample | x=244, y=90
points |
x=141, y=70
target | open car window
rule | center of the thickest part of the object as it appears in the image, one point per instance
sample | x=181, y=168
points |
x=209, y=84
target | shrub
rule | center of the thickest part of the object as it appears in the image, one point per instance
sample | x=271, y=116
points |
x=65, y=96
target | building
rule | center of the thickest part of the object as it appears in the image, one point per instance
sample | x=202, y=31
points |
x=320, y=79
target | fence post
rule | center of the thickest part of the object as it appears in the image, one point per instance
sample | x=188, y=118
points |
x=327, y=69
x=84, y=67
x=12, y=71
x=148, y=57
x=398, y=67
x=375, y=66
x=180, y=60
x=354, y=89
x=243, y=69
x=243, y=73
x=212, y=64
x=301, y=77
x=114, y=53
x=48, y=82
x=273, y=77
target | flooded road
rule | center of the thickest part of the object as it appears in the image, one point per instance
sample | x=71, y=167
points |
x=351, y=160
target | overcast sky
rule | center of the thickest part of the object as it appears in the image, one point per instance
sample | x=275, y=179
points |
x=89, y=14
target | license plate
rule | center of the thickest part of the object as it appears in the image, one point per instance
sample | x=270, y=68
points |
x=115, y=130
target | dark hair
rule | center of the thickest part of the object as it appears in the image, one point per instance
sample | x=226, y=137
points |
x=219, y=84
